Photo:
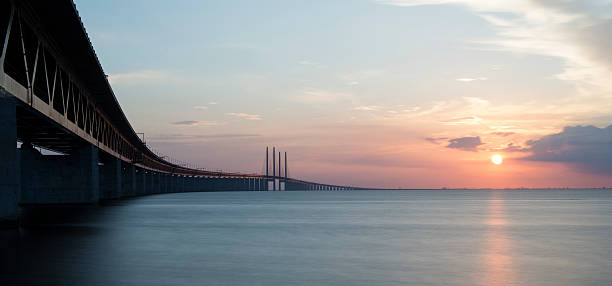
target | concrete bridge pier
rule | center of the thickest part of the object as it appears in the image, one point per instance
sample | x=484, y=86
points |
x=128, y=180
x=9, y=164
x=216, y=184
x=191, y=184
x=209, y=184
x=198, y=183
x=170, y=183
x=176, y=187
x=184, y=183
x=167, y=180
x=59, y=179
x=150, y=183
x=201, y=184
x=162, y=183
x=141, y=181
x=167, y=183
x=110, y=177
x=244, y=184
x=156, y=183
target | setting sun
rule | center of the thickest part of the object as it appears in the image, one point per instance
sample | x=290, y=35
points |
x=497, y=159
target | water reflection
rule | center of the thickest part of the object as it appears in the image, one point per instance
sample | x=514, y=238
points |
x=51, y=246
x=497, y=260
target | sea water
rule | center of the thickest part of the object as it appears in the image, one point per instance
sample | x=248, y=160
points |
x=428, y=237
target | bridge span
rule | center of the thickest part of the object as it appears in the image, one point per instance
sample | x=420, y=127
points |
x=55, y=95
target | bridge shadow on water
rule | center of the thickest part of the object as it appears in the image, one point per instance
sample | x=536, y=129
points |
x=45, y=249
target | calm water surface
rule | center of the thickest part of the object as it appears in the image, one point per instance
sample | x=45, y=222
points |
x=547, y=237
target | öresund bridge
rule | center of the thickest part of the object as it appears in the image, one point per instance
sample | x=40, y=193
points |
x=55, y=95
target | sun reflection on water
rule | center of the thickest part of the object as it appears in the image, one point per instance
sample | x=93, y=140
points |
x=498, y=268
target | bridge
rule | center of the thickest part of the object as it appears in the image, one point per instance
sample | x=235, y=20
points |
x=55, y=95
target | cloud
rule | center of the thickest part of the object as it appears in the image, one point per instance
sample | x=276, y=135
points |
x=436, y=140
x=588, y=148
x=470, y=79
x=245, y=116
x=503, y=134
x=367, y=108
x=469, y=120
x=578, y=32
x=194, y=137
x=313, y=64
x=212, y=103
x=320, y=96
x=200, y=107
x=514, y=148
x=195, y=123
x=465, y=143
x=144, y=76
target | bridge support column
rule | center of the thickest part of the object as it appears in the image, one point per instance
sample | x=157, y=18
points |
x=58, y=179
x=169, y=183
x=9, y=164
x=176, y=185
x=212, y=185
x=196, y=184
x=141, y=182
x=110, y=177
x=158, y=183
x=150, y=183
x=165, y=183
x=173, y=182
x=181, y=184
x=190, y=184
x=128, y=180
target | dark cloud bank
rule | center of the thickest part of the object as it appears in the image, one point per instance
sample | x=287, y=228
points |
x=465, y=143
x=586, y=147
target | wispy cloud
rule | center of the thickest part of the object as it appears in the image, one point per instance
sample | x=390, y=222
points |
x=576, y=31
x=245, y=116
x=471, y=79
x=436, y=140
x=195, y=137
x=195, y=123
x=144, y=76
x=320, y=96
x=367, y=108
x=312, y=64
x=200, y=107
x=503, y=134
x=469, y=120
x=363, y=75
x=511, y=147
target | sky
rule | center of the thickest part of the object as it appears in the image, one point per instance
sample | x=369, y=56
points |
x=373, y=93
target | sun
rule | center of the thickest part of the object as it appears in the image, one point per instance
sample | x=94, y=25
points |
x=497, y=159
